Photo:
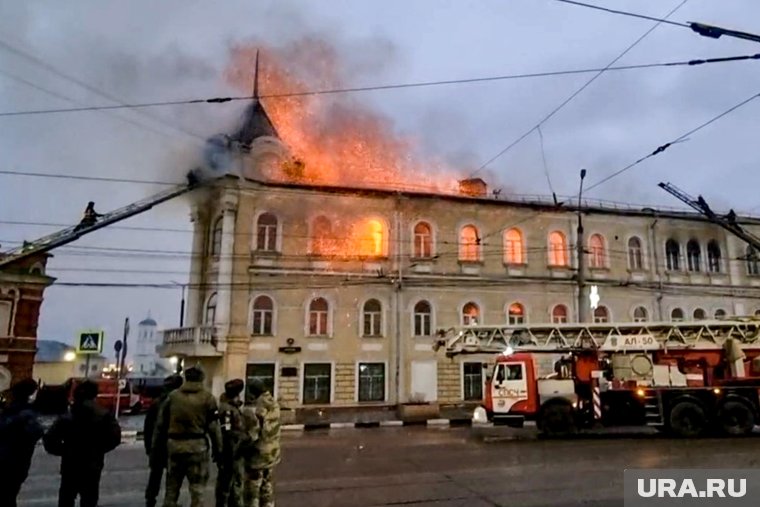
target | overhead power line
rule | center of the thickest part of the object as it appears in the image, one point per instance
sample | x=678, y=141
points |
x=573, y=95
x=219, y=100
x=625, y=13
x=679, y=139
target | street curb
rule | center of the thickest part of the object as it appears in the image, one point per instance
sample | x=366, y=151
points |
x=131, y=435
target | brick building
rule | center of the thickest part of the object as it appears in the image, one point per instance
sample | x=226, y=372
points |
x=333, y=295
x=22, y=287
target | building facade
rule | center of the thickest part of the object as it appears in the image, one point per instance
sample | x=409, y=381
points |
x=57, y=362
x=22, y=287
x=333, y=295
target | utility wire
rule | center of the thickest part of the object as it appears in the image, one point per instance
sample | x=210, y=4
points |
x=543, y=158
x=679, y=139
x=626, y=13
x=219, y=100
x=577, y=92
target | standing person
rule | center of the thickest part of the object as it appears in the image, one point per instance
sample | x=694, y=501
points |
x=19, y=432
x=261, y=417
x=229, y=481
x=188, y=419
x=82, y=438
x=157, y=455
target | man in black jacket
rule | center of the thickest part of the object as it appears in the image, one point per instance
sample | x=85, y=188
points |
x=157, y=457
x=19, y=432
x=82, y=438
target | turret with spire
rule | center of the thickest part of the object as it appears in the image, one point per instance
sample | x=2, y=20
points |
x=256, y=122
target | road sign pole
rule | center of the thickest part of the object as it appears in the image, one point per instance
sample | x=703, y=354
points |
x=87, y=366
x=120, y=365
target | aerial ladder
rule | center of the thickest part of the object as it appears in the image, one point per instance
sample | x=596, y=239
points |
x=73, y=233
x=728, y=221
x=687, y=378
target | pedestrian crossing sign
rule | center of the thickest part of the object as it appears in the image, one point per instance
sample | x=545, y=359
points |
x=90, y=341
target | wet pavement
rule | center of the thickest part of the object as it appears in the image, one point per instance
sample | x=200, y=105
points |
x=427, y=467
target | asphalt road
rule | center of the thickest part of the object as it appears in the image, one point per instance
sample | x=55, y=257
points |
x=432, y=468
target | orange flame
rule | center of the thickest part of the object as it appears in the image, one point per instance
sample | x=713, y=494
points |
x=334, y=139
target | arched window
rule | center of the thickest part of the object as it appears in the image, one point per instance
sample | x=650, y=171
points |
x=597, y=257
x=515, y=314
x=559, y=314
x=372, y=318
x=469, y=243
x=753, y=262
x=423, y=240
x=266, y=233
x=209, y=317
x=216, y=238
x=720, y=313
x=263, y=310
x=372, y=238
x=673, y=255
x=693, y=256
x=635, y=257
x=423, y=313
x=470, y=314
x=757, y=313
x=513, y=247
x=699, y=314
x=557, y=249
x=601, y=315
x=319, y=309
x=676, y=315
x=713, y=257
x=321, y=236
x=640, y=314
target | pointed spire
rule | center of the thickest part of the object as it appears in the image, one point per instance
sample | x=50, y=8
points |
x=256, y=77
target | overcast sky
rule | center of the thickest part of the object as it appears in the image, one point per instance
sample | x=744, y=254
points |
x=145, y=51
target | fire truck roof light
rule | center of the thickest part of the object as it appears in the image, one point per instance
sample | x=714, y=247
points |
x=640, y=392
x=508, y=352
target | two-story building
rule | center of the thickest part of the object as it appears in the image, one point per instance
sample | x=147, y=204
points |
x=333, y=294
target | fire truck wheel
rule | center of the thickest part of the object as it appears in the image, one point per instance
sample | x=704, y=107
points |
x=687, y=419
x=556, y=420
x=736, y=418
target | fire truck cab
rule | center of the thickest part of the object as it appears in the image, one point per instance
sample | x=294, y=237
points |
x=686, y=379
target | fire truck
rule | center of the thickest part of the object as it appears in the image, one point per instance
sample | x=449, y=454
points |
x=684, y=378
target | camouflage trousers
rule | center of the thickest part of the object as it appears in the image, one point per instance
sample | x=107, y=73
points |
x=194, y=467
x=259, y=488
x=229, y=484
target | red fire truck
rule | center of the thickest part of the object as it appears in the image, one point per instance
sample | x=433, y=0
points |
x=684, y=378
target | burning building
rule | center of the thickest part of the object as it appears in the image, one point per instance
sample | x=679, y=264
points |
x=331, y=290
x=22, y=287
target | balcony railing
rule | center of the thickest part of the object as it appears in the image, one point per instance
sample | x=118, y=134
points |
x=199, y=335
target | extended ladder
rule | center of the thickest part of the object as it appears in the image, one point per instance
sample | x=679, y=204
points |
x=563, y=338
x=75, y=232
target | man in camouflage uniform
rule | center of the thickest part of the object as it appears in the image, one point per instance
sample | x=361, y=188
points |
x=261, y=416
x=229, y=481
x=157, y=456
x=189, y=420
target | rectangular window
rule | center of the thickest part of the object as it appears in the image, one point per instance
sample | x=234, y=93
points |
x=371, y=382
x=317, y=379
x=422, y=326
x=472, y=378
x=318, y=323
x=423, y=245
x=262, y=322
x=267, y=237
x=263, y=372
x=372, y=323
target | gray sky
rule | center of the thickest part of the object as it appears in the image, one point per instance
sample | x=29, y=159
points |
x=143, y=51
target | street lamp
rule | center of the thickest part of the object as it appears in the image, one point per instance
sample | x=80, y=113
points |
x=69, y=356
x=580, y=246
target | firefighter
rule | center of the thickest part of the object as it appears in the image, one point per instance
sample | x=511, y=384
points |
x=187, y=420
x=156, y=455
x=229, y=482
x=89, y=218
x=261, y=417
x=19, y=432
x=82, y=438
